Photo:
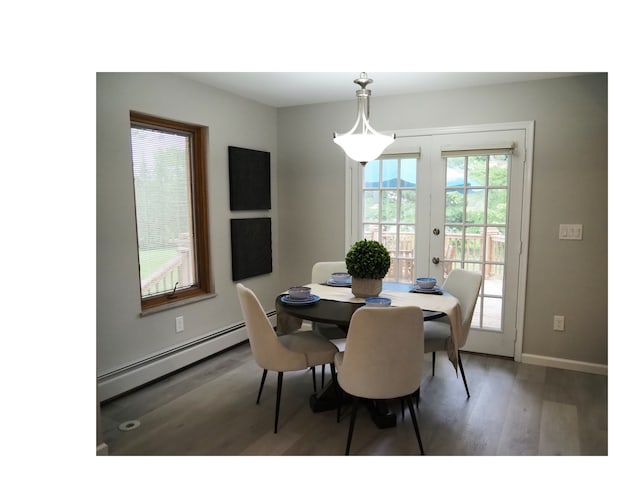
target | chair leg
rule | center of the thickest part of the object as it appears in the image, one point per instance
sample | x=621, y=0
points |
x=464, y=379
x=313, y=373
x=353, y=422
x=334, y=376
x=433, y=363
x=415, y=423
x=322, y=379
x=275, y=428
x=264, y=375
x=337, y=390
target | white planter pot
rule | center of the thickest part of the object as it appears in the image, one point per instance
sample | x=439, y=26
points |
x=366, y=287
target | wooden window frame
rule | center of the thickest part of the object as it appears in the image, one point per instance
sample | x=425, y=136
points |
x=199, y=210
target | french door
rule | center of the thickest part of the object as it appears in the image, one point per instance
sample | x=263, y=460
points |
x=471, y=211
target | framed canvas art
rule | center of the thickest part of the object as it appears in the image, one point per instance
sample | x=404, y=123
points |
x=249, y=179
x=250, y=247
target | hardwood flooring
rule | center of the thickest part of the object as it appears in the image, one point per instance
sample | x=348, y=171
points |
x=514, y=409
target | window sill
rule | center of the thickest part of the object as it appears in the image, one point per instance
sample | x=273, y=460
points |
x=176, y=304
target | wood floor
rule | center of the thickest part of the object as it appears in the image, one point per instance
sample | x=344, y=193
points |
x=515, y=409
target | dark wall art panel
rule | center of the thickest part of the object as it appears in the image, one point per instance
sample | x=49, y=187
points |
x=250, y=247
x=249, y=179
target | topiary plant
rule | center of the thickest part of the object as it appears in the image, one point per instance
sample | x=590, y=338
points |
x=368, y=259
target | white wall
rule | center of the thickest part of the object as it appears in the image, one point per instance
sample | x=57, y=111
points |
x=569, y=186
x=123, y=336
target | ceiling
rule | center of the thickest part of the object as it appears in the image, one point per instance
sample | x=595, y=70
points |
x=286, y=89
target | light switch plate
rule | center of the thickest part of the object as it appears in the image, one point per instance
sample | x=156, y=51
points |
x=570, y=232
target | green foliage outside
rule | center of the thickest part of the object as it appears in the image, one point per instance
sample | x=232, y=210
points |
x=162, y=196
x=152, y=260
x=477, y=175
x=483, y=170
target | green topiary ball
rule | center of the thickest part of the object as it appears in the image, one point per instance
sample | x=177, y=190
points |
x=368, y=259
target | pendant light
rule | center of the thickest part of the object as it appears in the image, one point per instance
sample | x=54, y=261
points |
x=362, y=143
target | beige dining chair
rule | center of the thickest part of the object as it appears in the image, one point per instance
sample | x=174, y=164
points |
x=465, y=286
x=382, y=359
x=284, y=353
x=320, y=273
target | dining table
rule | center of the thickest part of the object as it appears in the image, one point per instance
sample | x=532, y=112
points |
x=335, y=304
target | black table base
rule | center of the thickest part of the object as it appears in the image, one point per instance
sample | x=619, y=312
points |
x=327, y=399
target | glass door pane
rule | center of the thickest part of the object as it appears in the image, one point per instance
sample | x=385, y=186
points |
x=389, y=211
x=475, y=228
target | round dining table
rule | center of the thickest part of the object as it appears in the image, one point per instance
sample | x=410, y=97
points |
x=336, y=312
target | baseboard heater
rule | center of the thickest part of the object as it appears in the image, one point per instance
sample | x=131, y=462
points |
x=155, y=366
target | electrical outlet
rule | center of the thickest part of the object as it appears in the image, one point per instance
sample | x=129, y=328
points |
x=179, y=324
x=558, y=323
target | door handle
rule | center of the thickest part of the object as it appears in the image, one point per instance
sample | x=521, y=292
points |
x=435, y=260
x=436, y=231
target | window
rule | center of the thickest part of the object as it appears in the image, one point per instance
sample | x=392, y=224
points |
x=389, y=211
x=169, y=160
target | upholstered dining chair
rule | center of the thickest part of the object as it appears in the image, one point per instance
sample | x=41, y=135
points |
x=320, y=273
x=382, y=358
x=285, y=353
x=465, y=286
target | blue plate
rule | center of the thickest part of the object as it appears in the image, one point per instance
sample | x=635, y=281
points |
x=332, y=283
x=433, y=291
x=294, y=301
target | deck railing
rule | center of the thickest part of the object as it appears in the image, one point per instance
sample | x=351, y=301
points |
x=403, y=259
x=174, y=273
x=474, y=249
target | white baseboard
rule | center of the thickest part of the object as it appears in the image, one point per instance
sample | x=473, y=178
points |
x=564, y=363
x=128, y=378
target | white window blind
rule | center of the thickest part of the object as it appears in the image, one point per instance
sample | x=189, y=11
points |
x=466, y=150
x=400, y=151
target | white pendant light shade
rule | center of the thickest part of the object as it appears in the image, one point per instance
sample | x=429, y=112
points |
x=364, y=147
x=362, y=143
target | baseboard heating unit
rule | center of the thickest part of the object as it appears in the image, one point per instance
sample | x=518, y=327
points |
x=131, y=376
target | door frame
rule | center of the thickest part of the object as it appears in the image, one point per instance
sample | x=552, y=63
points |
x=352, y=202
